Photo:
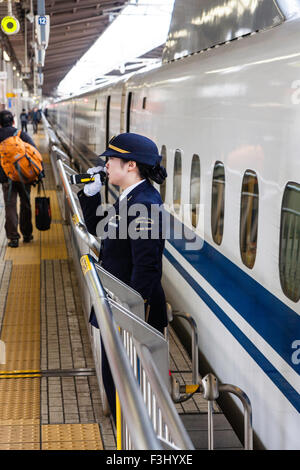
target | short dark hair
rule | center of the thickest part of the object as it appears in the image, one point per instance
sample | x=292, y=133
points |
x=6, y=118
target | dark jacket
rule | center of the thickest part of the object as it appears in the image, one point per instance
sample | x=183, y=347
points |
x=6, y=132
x=137, y=262
x=24, y=117
x=36, y=116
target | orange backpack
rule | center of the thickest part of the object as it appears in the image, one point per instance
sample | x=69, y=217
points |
x=20, y=161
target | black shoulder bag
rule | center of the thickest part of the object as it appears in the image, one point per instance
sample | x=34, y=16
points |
x=42, y=210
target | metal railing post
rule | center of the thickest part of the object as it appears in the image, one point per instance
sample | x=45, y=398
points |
x=210, y=393
x=195, y=361
x=165, y=402
x=211, y=390
x=248, y=430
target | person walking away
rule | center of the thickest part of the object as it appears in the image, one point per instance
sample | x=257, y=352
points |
x=36, y=117
x=12, y=189
x=24, y=120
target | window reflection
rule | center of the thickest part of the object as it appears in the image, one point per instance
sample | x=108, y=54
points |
x=217, y=202
x=195, y=190
x=289, y=255
x=249, y=218
x=177, y=181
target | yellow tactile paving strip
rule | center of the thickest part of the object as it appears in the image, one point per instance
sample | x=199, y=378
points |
x=53, y=243
x=20, y=402
x=55, y=211
x=26, y=253
x=45, y=245
x=21, y=320
x=19, y=437
x=20, y=397
x=46, y=157
x=71, y=437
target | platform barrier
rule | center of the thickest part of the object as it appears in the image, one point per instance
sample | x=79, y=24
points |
x=139, y=366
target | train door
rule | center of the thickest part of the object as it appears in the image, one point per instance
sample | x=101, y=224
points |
x=129, y=101
x=72, y=119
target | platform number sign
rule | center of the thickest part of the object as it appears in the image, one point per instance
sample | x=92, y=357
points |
x=42, y=20
x=42, y=28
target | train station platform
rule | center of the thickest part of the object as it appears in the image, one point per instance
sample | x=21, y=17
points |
x=49, y=395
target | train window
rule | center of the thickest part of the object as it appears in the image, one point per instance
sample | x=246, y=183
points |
x=249, y=218
x=218, y=202
x=195, y=190
x=144, y=102
x=164, y=164
x=177, y=181
x=289, y=250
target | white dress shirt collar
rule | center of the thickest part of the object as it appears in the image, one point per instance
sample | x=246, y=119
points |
x=129, y=189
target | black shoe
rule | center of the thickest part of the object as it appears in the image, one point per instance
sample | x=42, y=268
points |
x=28, y=239
x=13, y=243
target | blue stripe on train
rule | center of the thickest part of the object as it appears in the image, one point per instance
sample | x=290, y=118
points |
x=283, y=385
x=278, y=324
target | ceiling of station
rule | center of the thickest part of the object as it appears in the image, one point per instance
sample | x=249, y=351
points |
x=74, y=27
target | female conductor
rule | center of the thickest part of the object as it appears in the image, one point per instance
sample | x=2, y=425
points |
x=132, y=240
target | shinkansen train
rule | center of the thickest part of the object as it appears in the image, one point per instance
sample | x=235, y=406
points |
x=224, y=110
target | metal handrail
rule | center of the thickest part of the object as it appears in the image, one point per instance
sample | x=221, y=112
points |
x=52, y=136
x=211, y=389
x=81, y=229
x=248, y=431
x=148, y=348
x=195, y=360
x=137, y=418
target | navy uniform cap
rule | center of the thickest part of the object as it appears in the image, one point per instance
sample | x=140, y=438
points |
x=135, y=147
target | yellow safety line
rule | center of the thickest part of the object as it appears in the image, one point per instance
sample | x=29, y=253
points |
x=19, y=371
x=118, y=422
x=118, y=405
x=20, y=376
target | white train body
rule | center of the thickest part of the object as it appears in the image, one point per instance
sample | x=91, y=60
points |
x=238, y=104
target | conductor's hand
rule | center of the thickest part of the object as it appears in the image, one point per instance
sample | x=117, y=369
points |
x=90, y=189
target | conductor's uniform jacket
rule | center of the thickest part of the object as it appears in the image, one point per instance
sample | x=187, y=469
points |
x=138, y=261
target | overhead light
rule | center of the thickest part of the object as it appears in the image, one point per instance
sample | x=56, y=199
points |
x=6, y=56
x=14, y=67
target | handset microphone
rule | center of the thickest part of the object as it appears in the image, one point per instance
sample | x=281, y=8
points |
x=84, y=178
